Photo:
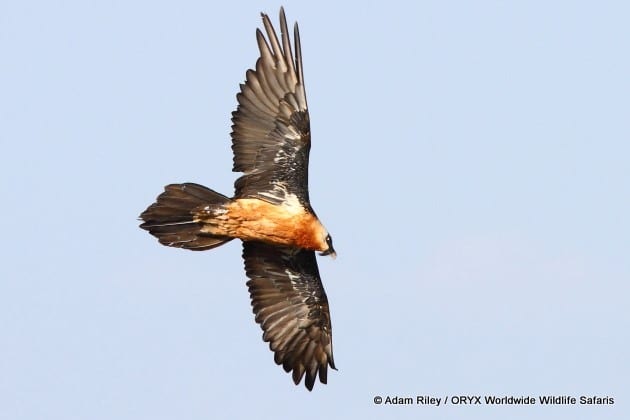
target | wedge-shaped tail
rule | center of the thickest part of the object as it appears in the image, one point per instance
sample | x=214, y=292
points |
x=171, y=218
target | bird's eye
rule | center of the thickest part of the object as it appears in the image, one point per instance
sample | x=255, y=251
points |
x=328, y=240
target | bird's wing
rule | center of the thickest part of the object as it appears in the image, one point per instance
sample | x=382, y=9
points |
x=271, y=130
x=291, y=307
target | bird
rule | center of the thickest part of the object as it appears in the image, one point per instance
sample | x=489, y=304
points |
x=270, y=211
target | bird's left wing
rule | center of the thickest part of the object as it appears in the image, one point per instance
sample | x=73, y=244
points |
x=291, y=307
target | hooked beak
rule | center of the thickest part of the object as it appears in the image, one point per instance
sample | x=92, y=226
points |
x=330, y=251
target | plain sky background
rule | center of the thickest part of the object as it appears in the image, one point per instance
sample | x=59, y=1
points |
x=469, y=158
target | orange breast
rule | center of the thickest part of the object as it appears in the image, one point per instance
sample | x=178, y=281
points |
x=285, y=224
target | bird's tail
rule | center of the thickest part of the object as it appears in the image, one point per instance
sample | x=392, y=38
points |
x=172, y=220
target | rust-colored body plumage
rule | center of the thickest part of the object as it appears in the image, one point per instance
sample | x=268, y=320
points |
x=251, y=219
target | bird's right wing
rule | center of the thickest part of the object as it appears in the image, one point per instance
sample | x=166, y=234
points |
x=271, y=136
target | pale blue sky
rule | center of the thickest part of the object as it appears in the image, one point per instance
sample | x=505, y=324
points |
x=469, y=158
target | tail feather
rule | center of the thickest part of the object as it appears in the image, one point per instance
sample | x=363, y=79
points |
x=171, y=217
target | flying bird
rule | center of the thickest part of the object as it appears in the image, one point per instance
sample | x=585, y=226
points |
x=270, y=210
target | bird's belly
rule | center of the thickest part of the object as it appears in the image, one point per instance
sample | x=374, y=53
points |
x=251, y=219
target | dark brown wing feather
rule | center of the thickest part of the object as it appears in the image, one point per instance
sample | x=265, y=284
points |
x=291, y=307
x=271, y=128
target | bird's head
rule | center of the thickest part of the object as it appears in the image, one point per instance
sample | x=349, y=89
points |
x=329, y=250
